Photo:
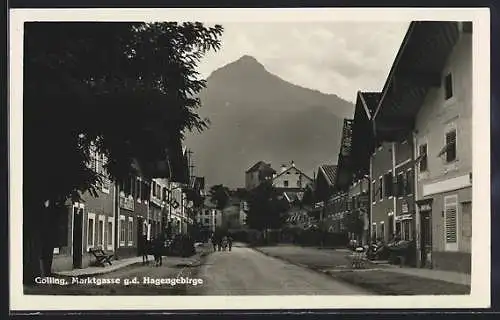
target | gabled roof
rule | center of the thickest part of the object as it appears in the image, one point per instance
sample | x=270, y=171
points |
x=258, y=166
x=369, y=101
x=329, y=172
x=290, y=168
x=416, y=69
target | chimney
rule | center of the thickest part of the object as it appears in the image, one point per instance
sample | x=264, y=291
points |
x=292, y=163
x=283, y=167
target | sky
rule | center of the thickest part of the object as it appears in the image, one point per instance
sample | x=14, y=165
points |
x=334, y=57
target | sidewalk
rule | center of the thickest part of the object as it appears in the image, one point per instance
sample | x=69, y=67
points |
x=130, y=262
x=92, y=271
x=448, y=276
x=378, y=278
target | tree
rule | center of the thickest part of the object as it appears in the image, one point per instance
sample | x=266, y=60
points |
x=128, y=88
x=219, y=195
x=266, y=210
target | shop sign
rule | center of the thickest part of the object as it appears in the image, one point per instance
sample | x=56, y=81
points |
x=127, y=203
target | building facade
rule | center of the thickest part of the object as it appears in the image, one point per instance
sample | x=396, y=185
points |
x=87, y=224
x=428, y=96
x=290, y=177
x=444, y=142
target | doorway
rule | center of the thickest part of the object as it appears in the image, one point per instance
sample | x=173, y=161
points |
x=77, y=237
x=391, y=227
x=426, y=238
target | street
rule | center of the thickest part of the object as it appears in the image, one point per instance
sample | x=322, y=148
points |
x=244, y=271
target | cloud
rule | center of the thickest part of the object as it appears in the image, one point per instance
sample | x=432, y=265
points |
x=337, y=57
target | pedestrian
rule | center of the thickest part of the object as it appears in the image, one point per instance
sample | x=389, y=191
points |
x=214, y=242
x=157, y=251
x=144, y=249
x=219, y=243
x=224, y=243
x=230, y=242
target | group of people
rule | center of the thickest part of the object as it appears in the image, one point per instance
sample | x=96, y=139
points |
x=155, y=246
x=222, y=243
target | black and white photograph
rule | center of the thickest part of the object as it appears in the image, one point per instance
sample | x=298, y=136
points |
x=249, y=158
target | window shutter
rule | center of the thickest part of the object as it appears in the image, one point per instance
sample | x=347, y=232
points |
x=409, y=182
x=423, y=160
x=451, y=138
x=450, y=207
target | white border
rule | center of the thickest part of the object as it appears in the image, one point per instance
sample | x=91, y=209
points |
x=480, y=292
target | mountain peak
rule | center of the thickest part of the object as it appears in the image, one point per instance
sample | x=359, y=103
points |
x=248, y=61
x=246, y=64
x=248, y=58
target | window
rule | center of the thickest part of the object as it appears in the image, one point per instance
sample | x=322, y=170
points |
x=90, y=230
x=100, y=232
x=288, y=172
x=130, y=237
x=122, y=231
x=374, y=231
x=388, y=184
x=380, y=184
x=109, y=233
x=207, y=220
x=285, y=183
x=406, y=233
x=374, y=192
x=215, y=221
x=422, y=152
x=451, y=145
x=382, y=230
x=158, y=191
x=448, y=86
x=450, y=217
x=409, y=182
x=153, y=186
x=401, y=184
x=164, y=194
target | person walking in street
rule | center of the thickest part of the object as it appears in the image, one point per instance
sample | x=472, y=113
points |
x=229, y=242
x=213, y=242
x=219, y=243
x=157, y=250
x=144, y=248
x=224, y=243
